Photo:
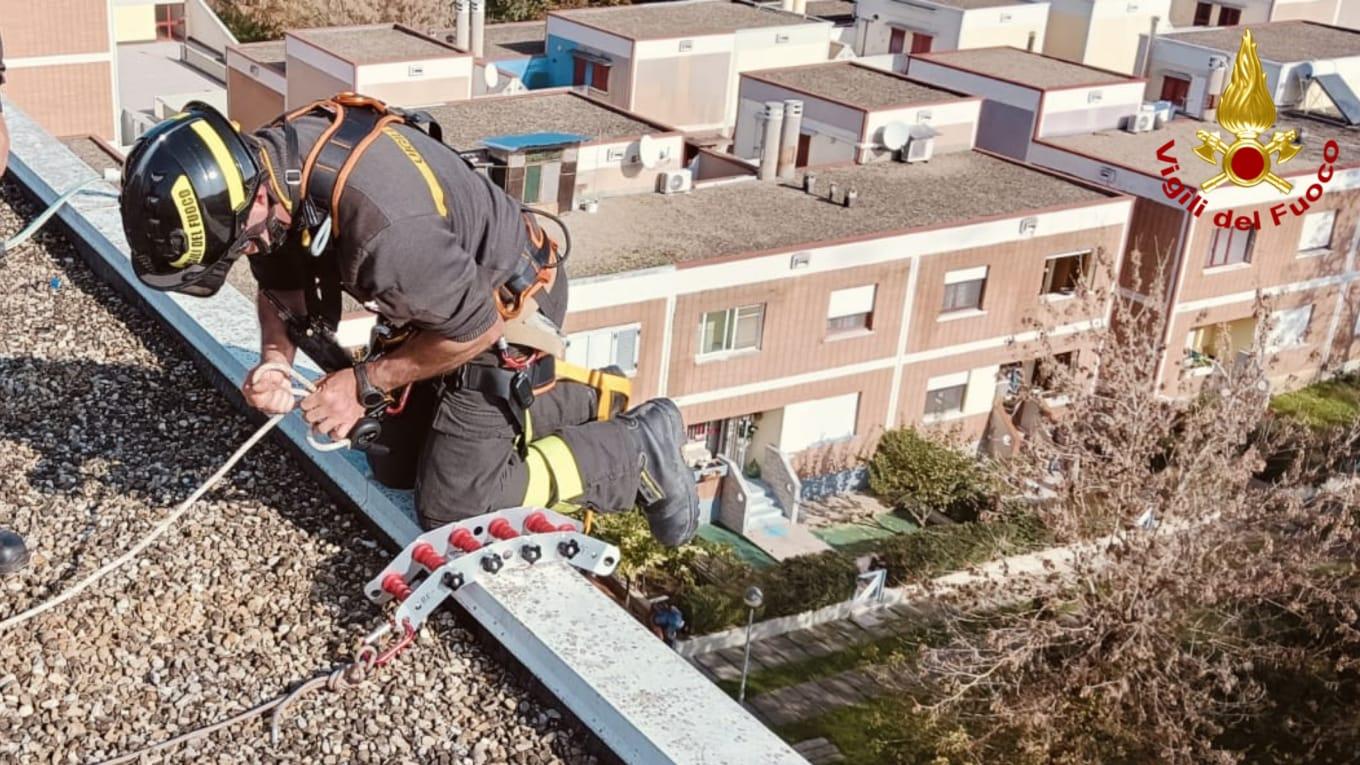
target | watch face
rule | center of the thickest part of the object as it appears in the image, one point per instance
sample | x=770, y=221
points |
x=373, y=398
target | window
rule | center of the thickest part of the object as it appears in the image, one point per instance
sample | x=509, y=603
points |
x=963, y=289
x=811, y=423
x=599, y=348
x=578, y=71
x=944, y=395
x=1289, y=327
x=1229, y=17
x=1204, y=12
x=735, y=329
x=599, y=77
x=1317, y=230
x=851, y=309
x=897, y=40
x=921, y=43
x=1175, y=90
x=1229, y=246
x=1064, y=273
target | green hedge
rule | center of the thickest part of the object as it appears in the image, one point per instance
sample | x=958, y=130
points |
x=809, y=582
x=921, y=474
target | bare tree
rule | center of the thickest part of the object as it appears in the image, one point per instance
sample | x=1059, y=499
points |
x=1168, y=641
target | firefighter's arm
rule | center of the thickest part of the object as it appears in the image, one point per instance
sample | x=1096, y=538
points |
x=272, y=392
x=427, y=355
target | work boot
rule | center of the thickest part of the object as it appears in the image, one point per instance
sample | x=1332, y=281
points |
x=666, y=492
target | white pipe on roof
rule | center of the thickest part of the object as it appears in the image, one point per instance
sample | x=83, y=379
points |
x=462, y=17
x=478, y=27
x=788, y=141
x=769, y=147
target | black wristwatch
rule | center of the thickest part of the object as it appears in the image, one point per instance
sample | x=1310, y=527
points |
x=369, y=394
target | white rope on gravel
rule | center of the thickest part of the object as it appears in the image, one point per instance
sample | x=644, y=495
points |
x=183, y=507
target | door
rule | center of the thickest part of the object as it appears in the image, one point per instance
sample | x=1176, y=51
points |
x=1229, y=17
x=921, y=43
x=168, y=22
x=735, y=439
x=1204, y=12
x=897, y=42
x=578, y=72
x=804, y=148
x=1175, y=90
x=533, y=184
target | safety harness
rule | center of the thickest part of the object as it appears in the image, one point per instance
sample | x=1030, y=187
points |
x=315, y=185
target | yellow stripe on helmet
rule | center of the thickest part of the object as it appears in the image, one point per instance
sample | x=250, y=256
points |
x=236, y=187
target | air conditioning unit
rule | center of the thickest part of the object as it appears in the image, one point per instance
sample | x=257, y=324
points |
x=918, y=150
x=1145, y=120
x=675, y=181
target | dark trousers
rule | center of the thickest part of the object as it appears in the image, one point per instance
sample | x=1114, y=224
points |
x=459, y=449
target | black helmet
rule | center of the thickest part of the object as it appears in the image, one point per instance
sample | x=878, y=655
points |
x=188, y=186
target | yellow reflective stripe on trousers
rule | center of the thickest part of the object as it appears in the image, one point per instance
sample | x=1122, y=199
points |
x=562, y=463
x=236, y=187
x=538, y=492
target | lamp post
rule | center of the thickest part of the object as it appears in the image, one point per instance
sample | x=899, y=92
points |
x=753, y=599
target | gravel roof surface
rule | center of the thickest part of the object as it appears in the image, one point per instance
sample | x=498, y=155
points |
x=663, y=21
x=517, y=40
x=93, y=154
x=270, y=53
x=374, y=44
x=1282, y=41
x=649, y=230
x=1021, y=66
x=104, y=425
x=465, y=123
x=861, y=86
x=1139, y=150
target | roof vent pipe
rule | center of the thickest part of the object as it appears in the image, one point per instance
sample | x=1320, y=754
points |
x=1147, y=51
x=462, y=17
x=788, y=5
x=788, y=141
x=769, y=147
x=478, y=27
x=809, y=183
x=851, y=194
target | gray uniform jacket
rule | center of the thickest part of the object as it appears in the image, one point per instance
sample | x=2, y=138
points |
x=418, y=233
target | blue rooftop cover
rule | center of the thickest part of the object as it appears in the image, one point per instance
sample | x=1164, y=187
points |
x=531, y=140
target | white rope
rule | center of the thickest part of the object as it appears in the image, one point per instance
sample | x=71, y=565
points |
x=183, y=507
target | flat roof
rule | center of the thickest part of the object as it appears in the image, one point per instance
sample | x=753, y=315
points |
x=1280, y=41
x=375, y=43
x=1023, y=67
x=968, y=5
x=1139, y=150
x=664, y=21
x=466, y=123
x=859, y=86
x=268, y=53
x=520, y=39
x=832, y=10
x=649, y=230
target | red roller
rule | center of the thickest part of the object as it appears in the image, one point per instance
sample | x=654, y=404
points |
x=538, y=523
x=463, y=540
x=501, y=529
x=425, y=555
x=395, y=585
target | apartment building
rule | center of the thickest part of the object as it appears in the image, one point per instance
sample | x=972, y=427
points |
x=1103, y=33
x=1214, y=254
x=514, y=50
x=677, y=62
x=1029, y=95
x=61, y=62
x=559, y=149
x=806, y=322
x=390, y=62
x=257, y=82
x=1216, y=13
x=851, y=113
x=920, y=26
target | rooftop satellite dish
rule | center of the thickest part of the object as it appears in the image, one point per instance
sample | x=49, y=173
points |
x=491, y=76
x=895, y=135
x=649, y=152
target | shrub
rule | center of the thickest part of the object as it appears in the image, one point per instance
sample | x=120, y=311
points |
x=807, y=582
x=710, y=608
x=940, y=549
x=921, y=475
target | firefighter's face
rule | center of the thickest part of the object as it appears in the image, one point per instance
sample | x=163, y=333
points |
x=265, y=207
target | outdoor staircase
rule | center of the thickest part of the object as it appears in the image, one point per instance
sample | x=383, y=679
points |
x=770, y=530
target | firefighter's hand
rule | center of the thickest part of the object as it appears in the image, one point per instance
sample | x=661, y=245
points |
x=334, y=409
x=270, y=391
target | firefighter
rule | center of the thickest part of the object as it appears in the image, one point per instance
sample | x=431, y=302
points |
x=347, y=195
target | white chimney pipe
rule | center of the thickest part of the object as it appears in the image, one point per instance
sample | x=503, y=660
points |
x=788, y=5
x=788, y=141
x=478, y=28
x=462, y=18
x=800, y=7
x=769, y=148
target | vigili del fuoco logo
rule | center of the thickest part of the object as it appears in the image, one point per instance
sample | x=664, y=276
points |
x=1246, y=111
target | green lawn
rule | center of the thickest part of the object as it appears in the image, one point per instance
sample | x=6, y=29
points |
x=851, y=535
x=746, y=552
x=888, y=731
x=1328, y=403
